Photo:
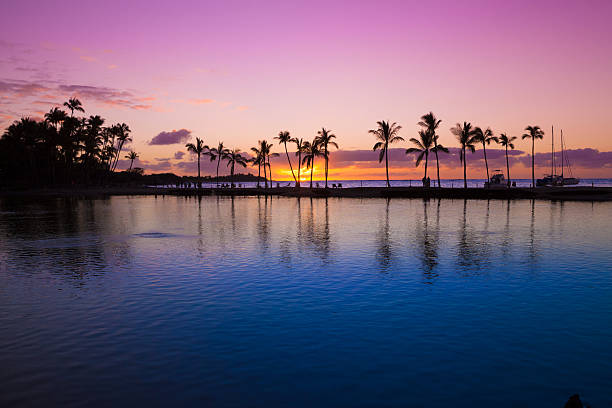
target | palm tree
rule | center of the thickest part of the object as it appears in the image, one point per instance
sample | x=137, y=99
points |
x=431, y=123
x=234, y=157
x=385, y=134
x=270, y=165
x=534, y=132
x=465, y=136
x=92, y=141
x=132, y=155
x=311, y=151
x=485, y=137
x=122, y=132
x=198, y=148
x=55, y=117
x=219, y=153
x=74, y=105
x=324, y=139
x=256, y=160
x=266, y=153
x=506, y=141
x=423, y=147
x=264, y=148
x=284, y=137
x=300, y=148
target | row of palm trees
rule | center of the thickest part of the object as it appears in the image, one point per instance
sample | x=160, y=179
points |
x=306, y=153
x=62, y=148
x=467, y=135
x=386, y=134
x=219, y=153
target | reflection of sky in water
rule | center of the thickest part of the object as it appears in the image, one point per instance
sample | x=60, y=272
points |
x=304, y=302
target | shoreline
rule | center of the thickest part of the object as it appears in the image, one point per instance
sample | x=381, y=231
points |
x=540, y=193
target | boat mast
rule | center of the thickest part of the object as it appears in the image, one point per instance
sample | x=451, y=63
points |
x=562, y=154
x=552, y=154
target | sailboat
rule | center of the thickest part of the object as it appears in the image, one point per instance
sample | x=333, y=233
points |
x=553, y=179
x=566, y=181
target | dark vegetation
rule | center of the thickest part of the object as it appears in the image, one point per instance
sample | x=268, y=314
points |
x=62, y=150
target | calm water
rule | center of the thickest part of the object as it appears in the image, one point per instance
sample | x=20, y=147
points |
x=300, y=303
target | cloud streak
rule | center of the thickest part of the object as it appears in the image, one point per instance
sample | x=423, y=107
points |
x=17, y=90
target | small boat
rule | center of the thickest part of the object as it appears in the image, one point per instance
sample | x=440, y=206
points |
x=497, y=180
x=549, y=180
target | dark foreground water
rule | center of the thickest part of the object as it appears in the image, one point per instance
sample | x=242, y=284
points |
x=301, y=303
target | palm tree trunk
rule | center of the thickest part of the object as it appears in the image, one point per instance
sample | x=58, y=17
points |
x=532, y=162
x=484, y=150
x=311, y=169
x=199, y=178
x=426, y=160
x=387, y=163
x=131, y=163
x=258, y=173
x=507, y=166
x=270, y=170
x=265, y=174
x=464, y=169
x=326, y=165
x=232, y=175
x=299, y=168
x=218, y=163
x=290, y=166
x=437, y=162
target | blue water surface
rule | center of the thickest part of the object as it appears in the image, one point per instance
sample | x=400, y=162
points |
x=286, y=302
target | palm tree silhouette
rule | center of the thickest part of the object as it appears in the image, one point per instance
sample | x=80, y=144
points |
x=74, y=105
x=324, y=139
x=423, y=147
x=534, y=132
x=431, y=123
x=385, y=134
x=55, y=117
x=465, y=136
x=311, y=150
x=256, y=160
x=92, y=141
x=506, y=141
x=219, y=153
x=132, y=155
x=485, y=137
x=264, y=148
x=122, y=132
x=234, y=157
x=270, y=164
x=284, y=137
x=198, y=148
x=300, y=148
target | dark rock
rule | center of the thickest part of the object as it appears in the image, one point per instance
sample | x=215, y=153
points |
x=574, y=402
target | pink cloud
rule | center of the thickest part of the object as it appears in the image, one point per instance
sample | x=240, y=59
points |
x=200, y=101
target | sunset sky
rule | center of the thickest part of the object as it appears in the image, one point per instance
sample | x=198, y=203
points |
x=240, y=71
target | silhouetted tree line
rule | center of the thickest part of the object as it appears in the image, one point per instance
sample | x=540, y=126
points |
x=62, y=149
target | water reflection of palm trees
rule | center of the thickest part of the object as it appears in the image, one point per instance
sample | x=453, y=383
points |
x=428, y=239
x=313, y=236
x=473, y=251
x=263, y=223
x=384, y=251
x=532, y=247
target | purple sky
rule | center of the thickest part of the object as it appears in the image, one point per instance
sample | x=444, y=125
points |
x=243, y=71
